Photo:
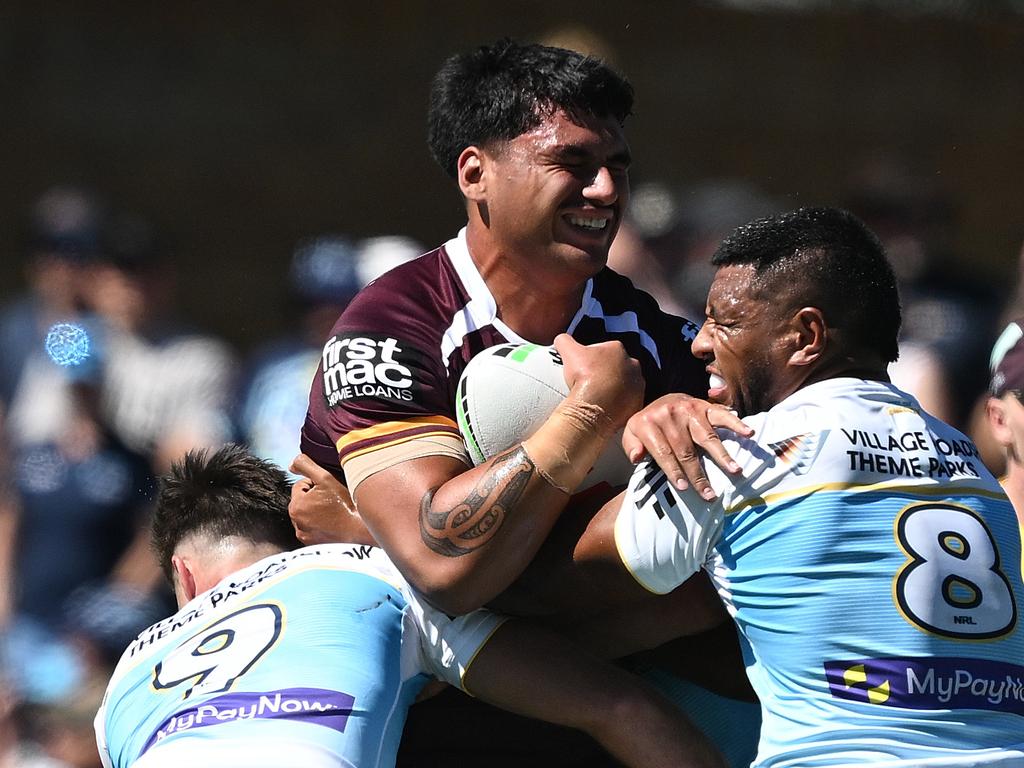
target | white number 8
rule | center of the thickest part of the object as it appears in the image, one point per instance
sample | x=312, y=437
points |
x=952, y=585
x=217, y=656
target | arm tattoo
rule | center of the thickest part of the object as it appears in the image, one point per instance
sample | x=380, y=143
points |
x=471, y=523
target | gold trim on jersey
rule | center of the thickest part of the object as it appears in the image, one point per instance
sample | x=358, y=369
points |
x=889, y=485
x=391, y=428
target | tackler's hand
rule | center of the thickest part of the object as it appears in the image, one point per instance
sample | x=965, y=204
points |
x=674, y=429
x=322, y=509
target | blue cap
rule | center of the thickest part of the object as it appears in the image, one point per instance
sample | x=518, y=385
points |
x=325, y=270
x=65, y=222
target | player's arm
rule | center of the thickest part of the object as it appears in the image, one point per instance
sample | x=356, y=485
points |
x=459, y=536
x=537, y=673
x=649, y=541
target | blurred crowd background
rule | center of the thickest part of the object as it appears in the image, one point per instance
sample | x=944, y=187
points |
x=201, y=193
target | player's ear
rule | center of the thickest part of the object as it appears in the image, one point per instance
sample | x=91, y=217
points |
x=470, y=173
x=810, y=335
x=184, y=579
x=995, y=411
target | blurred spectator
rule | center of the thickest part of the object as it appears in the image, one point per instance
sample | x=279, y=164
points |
x=666, y=239
x=61, y=233
x=707, y=212
x=325, y=273
x=64, y=729
x=377, y=255
x=1005, y=409
x=76, y=515
x=920, y=371
x=979, y=426
x=70, y=494
x=17, y=750
x=948, y=314
x=62, y=238
x=165, y=386
x=639, y=250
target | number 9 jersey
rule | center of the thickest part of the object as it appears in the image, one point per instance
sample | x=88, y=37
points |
x=309, y=658
x=872, y=566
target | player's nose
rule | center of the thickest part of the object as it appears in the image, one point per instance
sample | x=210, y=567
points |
x=700, y=347
x=604, y=188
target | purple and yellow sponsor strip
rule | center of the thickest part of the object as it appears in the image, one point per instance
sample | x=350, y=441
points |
x=318, y=706
x=929, y=683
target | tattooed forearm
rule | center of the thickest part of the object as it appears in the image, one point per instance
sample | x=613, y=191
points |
x=474, y=521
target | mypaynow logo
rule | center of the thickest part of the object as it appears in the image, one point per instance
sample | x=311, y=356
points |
x=929, y=683
x=307, y=705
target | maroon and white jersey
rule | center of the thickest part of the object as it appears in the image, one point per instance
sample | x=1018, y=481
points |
x=389, y=372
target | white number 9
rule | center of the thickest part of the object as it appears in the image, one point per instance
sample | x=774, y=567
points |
x=221, y=653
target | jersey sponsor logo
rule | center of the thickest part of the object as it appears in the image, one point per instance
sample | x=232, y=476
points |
x=944, y=683
x=368, y=366
x=690, y=330
x=907, y=454
x=318, y=706
x=800, y=451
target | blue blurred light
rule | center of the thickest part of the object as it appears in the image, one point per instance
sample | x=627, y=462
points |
x=67, y=344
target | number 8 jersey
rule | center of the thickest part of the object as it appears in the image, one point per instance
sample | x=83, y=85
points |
x=872, y=566
x=309, y=658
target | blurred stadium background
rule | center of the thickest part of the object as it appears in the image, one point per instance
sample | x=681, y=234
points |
x=239, y=128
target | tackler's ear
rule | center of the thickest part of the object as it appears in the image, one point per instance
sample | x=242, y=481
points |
x=184, y=579
x=810, y=335
x=471, y=174
x=998, y=423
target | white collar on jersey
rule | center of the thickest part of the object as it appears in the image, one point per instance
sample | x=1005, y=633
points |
x=481, y=308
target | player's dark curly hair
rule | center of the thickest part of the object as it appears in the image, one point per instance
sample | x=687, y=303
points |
x=227, y=493
x=834, y=262
x=501, y=91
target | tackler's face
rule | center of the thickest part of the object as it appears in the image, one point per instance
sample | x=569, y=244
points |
x=556, y=194
x=1006, y=420
x=741, y=344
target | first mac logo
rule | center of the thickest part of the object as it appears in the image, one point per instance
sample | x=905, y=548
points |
x=365, y=366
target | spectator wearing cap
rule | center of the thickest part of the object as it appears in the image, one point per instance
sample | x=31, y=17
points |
x=61, y=238
x=1005, y=409
x=325, y=274
x=166, y=386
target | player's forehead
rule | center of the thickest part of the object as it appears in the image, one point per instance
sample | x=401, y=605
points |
x=731, y=291
x=560, y=135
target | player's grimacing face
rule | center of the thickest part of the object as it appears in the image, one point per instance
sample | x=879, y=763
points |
x=558, y=191
x=739, y=344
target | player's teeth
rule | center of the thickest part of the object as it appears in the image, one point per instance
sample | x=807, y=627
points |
x=588, y=223
x=715, y=382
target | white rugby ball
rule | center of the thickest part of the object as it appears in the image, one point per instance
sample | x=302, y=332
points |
x=507, y=392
